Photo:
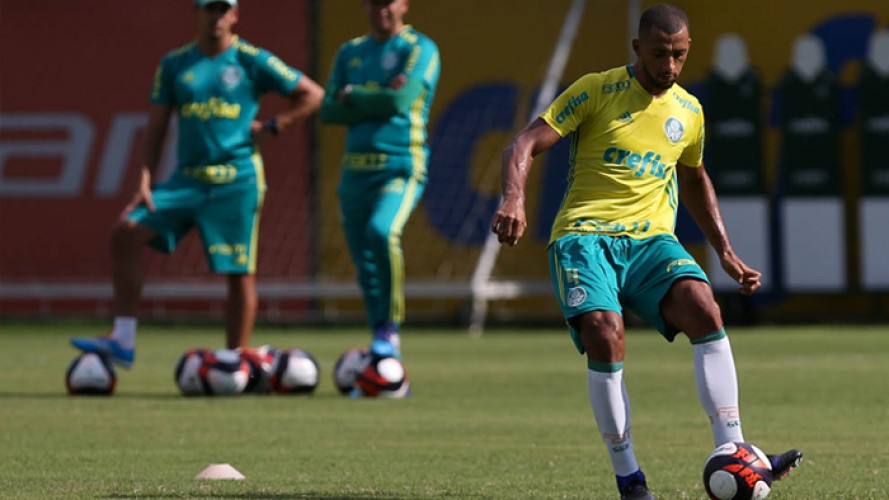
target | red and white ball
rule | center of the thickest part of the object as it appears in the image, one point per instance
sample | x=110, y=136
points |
x=262, y=362
x=384, y=378
x=186, y=373
x=224, y=372
x=90, y=374
x=295, y=371
x=737, y=471
x=348, y=366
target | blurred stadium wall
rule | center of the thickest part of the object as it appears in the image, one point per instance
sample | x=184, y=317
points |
x=74, y=79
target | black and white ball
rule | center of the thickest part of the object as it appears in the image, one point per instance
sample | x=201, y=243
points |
x=295, y=371
x=186, y=373
x=224, y=372
x=348, y=366
x=262, y=362
x=737, y=471
x=90, y=374
x=383, y=378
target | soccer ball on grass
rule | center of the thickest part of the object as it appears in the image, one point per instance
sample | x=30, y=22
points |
x=262, y=361
x=90, y=374
x=737, y=471
x=383, y=378
x=348, y=366
x=186, y=373
x=294, y=371
x=224, y=372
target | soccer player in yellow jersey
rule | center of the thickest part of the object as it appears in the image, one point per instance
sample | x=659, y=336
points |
x=636, y=147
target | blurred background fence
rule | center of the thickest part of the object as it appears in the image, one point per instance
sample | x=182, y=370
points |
x=795, y=93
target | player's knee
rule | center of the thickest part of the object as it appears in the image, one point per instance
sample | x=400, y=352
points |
x=600, y=329
x=710, y=317
x=702, y=317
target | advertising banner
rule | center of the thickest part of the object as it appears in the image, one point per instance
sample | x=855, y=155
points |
x=74, y=104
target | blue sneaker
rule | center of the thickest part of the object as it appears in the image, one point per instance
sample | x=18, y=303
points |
x=107, y=346
x=382, y=349
x=388, y=333
x=634, y=487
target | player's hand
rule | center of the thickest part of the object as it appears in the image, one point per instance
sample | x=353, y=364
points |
x=509, y=222
x=143, y=195
x=748, y=279
x=257, y=132
x=398, y=81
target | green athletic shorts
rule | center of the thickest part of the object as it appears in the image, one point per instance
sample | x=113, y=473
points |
x=226, y=216
x=593, y=272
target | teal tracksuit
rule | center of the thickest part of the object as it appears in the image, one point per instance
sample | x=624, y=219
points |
x=384, y=163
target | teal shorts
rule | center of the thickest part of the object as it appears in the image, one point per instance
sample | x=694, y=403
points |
x=225, y=215
x=593, y=272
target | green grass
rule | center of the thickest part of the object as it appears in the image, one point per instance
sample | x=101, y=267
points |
x=502, y=416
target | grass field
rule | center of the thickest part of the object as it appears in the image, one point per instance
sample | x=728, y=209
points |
x=501, y=416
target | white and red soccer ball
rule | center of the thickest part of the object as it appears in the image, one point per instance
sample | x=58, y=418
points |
x=220, y=372
x=294, y=371
x=350, y=363
x=360, y=373
x=384, y=378
x=737, y=471
x=226, y=372
x=90, y=374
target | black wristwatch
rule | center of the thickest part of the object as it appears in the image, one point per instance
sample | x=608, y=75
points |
x=271, y=126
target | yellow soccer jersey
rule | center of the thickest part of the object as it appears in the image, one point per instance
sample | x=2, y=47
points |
x=625, y=144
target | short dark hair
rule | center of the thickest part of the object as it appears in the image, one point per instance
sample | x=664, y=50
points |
x=665, y=17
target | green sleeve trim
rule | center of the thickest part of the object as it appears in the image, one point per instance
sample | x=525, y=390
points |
x=600, y=367
x=383, y=103
x=712, y=337
x=334, y=112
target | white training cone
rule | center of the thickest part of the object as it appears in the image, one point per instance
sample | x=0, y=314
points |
x=220, y=471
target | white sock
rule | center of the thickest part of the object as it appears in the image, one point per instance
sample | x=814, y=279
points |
x=124, y=332
x=718, y=388
x=611, y=407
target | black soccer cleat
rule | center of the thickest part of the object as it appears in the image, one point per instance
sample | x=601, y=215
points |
x=637, y=491
x=784, y=463
x=634, y=487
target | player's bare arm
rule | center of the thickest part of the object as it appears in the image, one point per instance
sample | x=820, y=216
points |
x=304, y=101
x=697, y=194
x=510, y=219
x=155, y=132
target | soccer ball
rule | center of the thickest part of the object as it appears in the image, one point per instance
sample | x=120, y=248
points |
x=295, y=371
x=186, y=372
x=737, y=471
x=90, y=373
x=348, y=366
x=224, y=373
x=261, y=361
x=383, y=378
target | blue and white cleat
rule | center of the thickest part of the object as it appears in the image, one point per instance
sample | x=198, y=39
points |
x=388, y=334
x=382, y=349
x=108, y=347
